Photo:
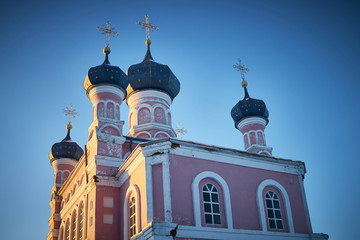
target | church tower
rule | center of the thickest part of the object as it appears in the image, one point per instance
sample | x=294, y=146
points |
x=251, y=117
x=105, y=86
x=63, y=157
x=152, y=88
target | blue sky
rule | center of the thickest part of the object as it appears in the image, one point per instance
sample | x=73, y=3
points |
x=304, y=60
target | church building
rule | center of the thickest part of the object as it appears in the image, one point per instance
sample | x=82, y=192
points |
x=147, y=184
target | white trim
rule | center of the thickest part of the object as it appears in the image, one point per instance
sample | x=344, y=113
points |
x=166, y=187
x=131, y=189
x=193, y=232
x=146, y=132
x=260, y=201
x=250, y=120
x=149, y=192
x=247, y=160
x=306, y=208
x=109, y=89
x=196, y=197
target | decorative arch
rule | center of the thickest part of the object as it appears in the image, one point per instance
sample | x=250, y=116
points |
x=161, y=132
x=196, y=197
x=144, y=115
x=260, y=201
x=74, y=189
x=143, y=132
x=109, y=127
x=133, y=190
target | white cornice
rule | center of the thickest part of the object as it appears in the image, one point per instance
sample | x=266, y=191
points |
x=135, y=96
x=251, y=120
x=107, y=89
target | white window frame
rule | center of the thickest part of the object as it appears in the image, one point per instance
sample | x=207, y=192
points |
x=260, y=201
x=196, y=197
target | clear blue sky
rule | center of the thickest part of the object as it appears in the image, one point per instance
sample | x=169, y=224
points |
x=304, y=60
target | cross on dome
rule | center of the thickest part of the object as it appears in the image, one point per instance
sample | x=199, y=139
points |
x=108, y=31
x=147, y=25
x=240, y=67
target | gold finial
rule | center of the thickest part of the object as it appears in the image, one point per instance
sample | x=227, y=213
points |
x=180, y=130
x=106, y=50
x=71, y=113
x=109, y=32
x=243, y=70
x=148, y=26
x=69, y=126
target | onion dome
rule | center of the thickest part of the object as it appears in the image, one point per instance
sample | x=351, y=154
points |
x=106, y=74
x=67, y=148
x=249, y=107
x=152, y=75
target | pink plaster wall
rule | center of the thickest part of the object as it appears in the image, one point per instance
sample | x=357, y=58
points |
x=253, y=126
x=158, y=192
x=242, y=182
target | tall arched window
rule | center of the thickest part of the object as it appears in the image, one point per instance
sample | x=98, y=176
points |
x=132, y=215
x=73, y=227
x=273, y=211
x=67, y=230
x=81, y=222
x=211, y=204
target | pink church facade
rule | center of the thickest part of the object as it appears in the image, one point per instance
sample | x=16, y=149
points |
x=149, y=185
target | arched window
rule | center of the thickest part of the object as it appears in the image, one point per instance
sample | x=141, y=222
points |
x=211, y=204
x=81, y=222
x=73, y=227
x=132, y=218
x=274, y=207
x=67, y=230
x=273, y=211
x=132, y=213
x=211, y=201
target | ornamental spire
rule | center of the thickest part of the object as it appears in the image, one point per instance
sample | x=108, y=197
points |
x=149, y=27
x=240, y=67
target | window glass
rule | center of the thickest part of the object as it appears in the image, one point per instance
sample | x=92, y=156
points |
x=81, y=222
x=132, y=211
x=273, y=210
x=211, y=204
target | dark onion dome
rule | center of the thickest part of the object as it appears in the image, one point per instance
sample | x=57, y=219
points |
x=152, y=75
x=67, y=148
x=106, y=74
x=249, y=107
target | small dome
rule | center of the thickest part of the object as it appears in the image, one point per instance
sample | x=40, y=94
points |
x=249, y=107
x=152, y=75
x=67, y=148
x=106, y=74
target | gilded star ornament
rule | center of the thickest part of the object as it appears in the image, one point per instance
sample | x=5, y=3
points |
x=70, y=112
x=180, y=131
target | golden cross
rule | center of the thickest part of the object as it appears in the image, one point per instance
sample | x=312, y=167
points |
x=241, y=68
x=180, y=130
x=109, y=31
x=147, y=25
x=70, y=112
